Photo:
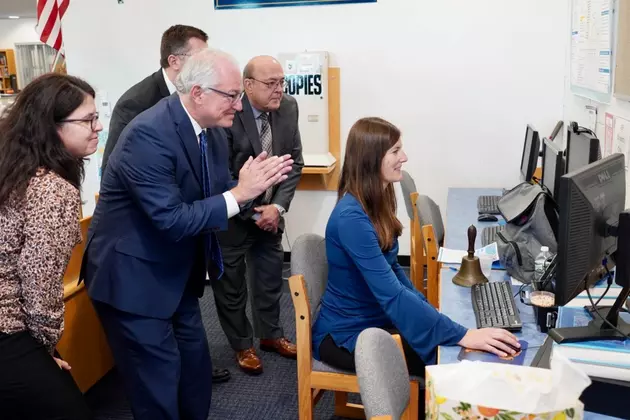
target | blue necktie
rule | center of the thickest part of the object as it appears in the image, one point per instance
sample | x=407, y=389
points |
x=211, y=242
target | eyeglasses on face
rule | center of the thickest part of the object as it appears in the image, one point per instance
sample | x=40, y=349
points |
x=233, y=97
x=272, y=84
x=93, y=120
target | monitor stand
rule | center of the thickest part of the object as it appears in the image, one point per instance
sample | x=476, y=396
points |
x=597, y=329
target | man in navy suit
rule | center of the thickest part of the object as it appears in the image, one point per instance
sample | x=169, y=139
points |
x=166, y=193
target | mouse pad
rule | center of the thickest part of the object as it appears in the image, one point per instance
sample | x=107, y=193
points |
x=481, y=356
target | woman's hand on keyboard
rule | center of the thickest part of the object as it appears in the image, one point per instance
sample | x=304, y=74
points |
x=493, y=340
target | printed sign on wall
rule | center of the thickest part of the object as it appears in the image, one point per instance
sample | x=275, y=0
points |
x=248, y=4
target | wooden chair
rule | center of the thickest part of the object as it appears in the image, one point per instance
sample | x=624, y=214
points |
x=418, y=257
x=433, y=265
x=307, y=283
x=83, y=344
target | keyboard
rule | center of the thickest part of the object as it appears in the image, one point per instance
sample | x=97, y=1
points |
x=489, y=234
x=494, y=306
x=489, y=204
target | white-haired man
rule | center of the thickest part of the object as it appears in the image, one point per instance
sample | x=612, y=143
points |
x=166, y=192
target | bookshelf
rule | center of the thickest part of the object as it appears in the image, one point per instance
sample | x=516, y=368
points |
x=7, y=69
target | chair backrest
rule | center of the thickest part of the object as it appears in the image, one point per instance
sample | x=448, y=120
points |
x=308, y=258
x=429, y=214
x=408, y=186
x=432, y=291
x=382, y=374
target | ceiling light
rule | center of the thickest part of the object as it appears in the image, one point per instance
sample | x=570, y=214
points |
x=14, y=17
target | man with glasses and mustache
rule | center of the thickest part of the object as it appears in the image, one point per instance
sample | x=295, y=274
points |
x=166, y=194
x=268, y=122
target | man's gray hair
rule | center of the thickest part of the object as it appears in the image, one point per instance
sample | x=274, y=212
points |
x=201, y=69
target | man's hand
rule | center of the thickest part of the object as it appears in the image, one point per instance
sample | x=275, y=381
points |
x=493, y=340
x=257, y=175
x=269, y=218
x=62, y=364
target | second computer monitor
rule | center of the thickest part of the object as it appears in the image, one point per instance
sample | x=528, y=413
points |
x=531, y=150
x=582, y=149
x=590, y=200
x=553, y=166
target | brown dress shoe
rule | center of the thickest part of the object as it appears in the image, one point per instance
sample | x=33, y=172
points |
x=281, y=346
x=249, y=361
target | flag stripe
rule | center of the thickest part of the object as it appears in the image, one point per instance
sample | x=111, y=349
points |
x=49, y=16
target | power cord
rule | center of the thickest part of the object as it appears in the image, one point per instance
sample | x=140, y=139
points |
x=594, y=305
x=609, y=280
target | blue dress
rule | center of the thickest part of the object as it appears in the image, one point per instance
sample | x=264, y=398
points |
x=368, y=288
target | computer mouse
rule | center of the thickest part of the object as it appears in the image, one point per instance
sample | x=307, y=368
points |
x=516, y=349
x=487, y=218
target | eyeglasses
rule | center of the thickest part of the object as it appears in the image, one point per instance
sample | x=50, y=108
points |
x=93, y=120
x=233, y=97
x=273, y=85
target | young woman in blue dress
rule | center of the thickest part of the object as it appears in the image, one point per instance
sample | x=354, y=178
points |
x=366, y=285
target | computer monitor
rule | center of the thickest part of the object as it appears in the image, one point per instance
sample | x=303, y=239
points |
x=582, y=149
x=553, y=166
x=593, y=227
x=531, y=149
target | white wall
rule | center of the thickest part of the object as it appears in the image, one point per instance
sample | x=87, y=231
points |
x=575, y=106
x=460, y=78
x=14, y=31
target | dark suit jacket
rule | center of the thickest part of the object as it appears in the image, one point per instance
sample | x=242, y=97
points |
x=145, y=242
x=140, y=97
x=244, y=141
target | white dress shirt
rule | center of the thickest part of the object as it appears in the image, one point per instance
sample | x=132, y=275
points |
x=169, y=84
x=230, y=202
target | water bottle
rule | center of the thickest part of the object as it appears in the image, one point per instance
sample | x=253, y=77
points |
x=540, y=264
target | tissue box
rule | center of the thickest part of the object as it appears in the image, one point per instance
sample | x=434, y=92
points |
x=444, y=408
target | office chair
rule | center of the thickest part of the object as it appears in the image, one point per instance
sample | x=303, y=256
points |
x=383, y=375
x=309, y=274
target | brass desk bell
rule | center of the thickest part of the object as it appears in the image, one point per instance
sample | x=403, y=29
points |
x=470, y=271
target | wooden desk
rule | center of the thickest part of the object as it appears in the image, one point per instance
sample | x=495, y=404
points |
x=455, y=301
x=83, y=344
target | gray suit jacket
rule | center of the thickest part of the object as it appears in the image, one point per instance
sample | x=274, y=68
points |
x=244, y=141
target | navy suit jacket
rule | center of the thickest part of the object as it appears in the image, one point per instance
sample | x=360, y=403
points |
x=145, y=242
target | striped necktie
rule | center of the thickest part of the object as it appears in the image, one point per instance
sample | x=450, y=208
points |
x=265, y=141
x=211, y=241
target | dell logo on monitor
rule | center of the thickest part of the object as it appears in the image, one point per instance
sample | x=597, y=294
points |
x=603, y=176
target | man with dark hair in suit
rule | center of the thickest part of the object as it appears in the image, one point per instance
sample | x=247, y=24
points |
x=178, y=43
x=268, y=122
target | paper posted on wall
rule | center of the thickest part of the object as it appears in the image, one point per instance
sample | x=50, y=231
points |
x=621, y=137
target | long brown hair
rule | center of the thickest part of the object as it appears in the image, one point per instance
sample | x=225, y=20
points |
x=28, y=133
x=368, y=142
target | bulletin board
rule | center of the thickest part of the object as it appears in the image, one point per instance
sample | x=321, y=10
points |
x=591, y=48
x=622, y=66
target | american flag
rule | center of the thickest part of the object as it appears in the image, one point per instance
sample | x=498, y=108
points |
x=49, y=15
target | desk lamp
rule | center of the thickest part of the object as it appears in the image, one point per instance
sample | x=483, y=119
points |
x=470, y=272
